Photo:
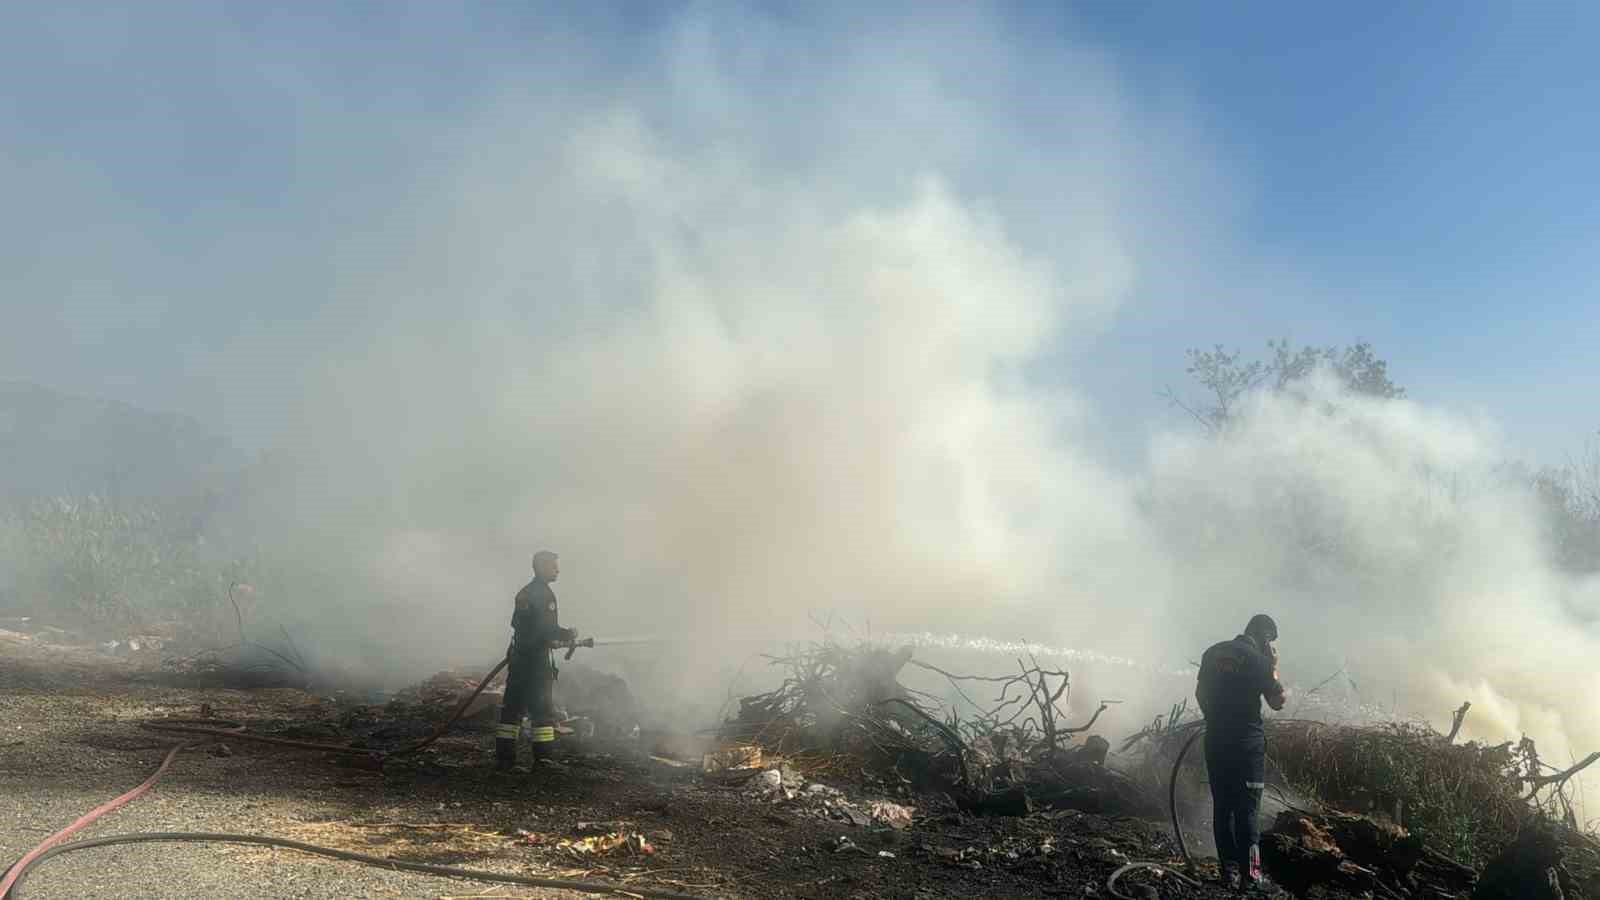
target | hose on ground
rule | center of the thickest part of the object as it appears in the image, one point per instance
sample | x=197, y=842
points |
x=1172, y=795
x=588, y=887
x=1111, y=883
x=14, y=872
x=235, y=731
x=460, y=709
x=1177, y=830
x=52, y=846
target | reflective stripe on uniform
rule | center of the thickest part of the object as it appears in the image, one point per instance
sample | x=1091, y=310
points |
x=508, y=731
x=1255, y=785
x=543, y=734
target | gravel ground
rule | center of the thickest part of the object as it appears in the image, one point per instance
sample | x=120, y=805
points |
x=63, y=755
x=70, y=740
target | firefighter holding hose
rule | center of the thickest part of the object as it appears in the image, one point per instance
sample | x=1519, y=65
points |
x=531, y=672
x=1234, y=678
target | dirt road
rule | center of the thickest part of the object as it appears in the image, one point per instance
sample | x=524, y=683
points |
x=70, y=739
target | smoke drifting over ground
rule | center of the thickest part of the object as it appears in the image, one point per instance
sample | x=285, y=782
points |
x=746, y=330
x=1392, y=538
x=736, y=365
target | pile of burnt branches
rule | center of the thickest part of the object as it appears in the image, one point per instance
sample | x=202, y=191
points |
x=1025, y=717
x=844, y=709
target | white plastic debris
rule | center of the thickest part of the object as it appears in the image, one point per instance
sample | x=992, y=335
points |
x=891, y=814
x=768, y=785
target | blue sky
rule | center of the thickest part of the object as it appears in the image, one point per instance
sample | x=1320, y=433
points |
x=1420, y=176
x=1431, y=166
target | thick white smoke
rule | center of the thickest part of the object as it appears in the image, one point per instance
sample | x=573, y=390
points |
x=739, y=368
x=1394, y=544
x=733, y=371
x=764, y=317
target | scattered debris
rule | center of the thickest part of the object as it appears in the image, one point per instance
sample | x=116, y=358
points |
x=590, y=839
x=843, y=844
x=443, y=691
x=891, y=814
x=735, y=756
x=823, y=792
x=769, y=783
x=599, y=704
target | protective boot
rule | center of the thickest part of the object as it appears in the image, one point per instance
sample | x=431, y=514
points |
x=543, y=740
x=1253, y=881
x=505, y=742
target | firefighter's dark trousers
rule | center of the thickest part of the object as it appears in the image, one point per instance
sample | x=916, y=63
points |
x=1236, y=767
x=530, y=690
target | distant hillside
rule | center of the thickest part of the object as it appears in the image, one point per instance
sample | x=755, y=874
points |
x=54, y=443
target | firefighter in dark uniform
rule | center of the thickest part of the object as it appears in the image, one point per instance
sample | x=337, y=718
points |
x=1234, y=678
x=531, y=673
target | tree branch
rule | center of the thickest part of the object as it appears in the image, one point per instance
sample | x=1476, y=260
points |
x=1089, y=724
x=1455, y=722
x=1198, y=417
x=1539, y=782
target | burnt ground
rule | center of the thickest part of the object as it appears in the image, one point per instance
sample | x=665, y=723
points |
x=70, y=738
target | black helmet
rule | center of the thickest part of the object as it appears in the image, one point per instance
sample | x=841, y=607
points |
x=1262, y=628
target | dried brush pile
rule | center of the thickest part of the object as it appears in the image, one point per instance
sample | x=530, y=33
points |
x=1468, y=800
x=1465, y=800
x=842, y=710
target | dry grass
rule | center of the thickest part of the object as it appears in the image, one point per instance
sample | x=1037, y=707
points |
x=1464, y=800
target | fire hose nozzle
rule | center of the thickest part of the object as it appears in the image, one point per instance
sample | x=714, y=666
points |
x=572, y=646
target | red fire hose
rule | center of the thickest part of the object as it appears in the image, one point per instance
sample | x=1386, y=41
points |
x=213, y=728
x=27, y=860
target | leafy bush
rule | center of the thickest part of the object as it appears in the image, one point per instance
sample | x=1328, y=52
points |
x=94, y=562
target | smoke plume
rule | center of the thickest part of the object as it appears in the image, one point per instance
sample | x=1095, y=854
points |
x=750, y=317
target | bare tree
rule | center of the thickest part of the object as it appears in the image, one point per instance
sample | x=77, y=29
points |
x=1228, y=378
x=1570, y=495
